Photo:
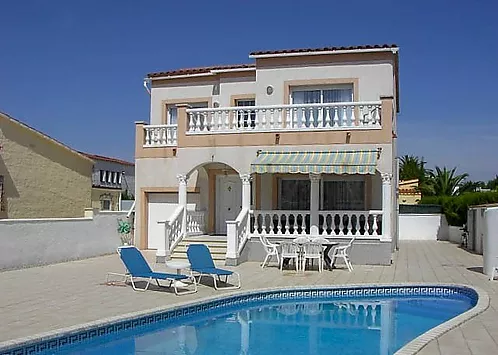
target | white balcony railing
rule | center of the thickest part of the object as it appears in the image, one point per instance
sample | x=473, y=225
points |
x=331, y=223
x=307, y=117
x=160, y=135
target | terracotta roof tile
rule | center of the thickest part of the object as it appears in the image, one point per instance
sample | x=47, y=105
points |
x=200, y=70
x=109, y=159
x=324, y=49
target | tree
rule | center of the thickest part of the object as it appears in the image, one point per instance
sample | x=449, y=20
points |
x=492, y=184
x=470, y=186
x=444, y=182
x=412, y=167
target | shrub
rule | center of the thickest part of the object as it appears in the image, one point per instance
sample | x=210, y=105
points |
x=455, y=207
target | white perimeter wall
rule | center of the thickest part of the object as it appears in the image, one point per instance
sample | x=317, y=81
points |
x=32, y=242
x=423, y=227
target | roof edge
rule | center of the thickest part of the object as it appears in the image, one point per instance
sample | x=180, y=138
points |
x=45, y=136
x=94, y=157
x=325, y=50
x=201, y=71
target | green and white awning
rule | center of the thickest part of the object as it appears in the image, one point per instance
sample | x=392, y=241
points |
x=317, y=162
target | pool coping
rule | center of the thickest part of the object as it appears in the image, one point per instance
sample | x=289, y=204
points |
x=413, y=347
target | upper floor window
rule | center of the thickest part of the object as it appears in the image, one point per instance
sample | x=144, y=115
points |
x=172, y=111
x=320, y=95
x=102, y=175
x=313, y=117
x=246, y=118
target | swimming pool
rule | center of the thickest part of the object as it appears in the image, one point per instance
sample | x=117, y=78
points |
x=342, y=320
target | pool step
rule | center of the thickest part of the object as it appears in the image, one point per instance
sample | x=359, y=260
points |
x=217, y=246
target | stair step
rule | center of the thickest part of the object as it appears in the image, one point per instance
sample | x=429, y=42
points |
x=184, y=257
x=210, y=245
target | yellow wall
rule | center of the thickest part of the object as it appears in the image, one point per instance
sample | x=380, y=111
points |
x=98, y=194
x=409, y=199
x=408, y=194
x=41, y=178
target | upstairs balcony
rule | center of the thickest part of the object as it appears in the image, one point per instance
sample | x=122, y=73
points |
x=243, y=120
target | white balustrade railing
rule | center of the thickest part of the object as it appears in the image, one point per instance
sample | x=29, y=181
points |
x=160, y=135
x=350, y=223
x=237, y=234
x=196, y=222
x=326, y=116
x=280, y=222
x=173, y=228
x=331, y=223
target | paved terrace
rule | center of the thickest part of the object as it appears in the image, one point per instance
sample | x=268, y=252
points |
x=46, y=298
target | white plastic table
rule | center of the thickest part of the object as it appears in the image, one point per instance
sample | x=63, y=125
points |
x=179, y=265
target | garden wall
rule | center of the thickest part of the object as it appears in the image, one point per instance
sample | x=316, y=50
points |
x=416, y=226
x=32, y=242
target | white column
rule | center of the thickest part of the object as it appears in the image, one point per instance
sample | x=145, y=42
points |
x=182, y=199
x=246, y=190
x=386, y=206
x=314, y=203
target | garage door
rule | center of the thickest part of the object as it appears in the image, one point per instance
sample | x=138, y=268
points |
x=161, y=207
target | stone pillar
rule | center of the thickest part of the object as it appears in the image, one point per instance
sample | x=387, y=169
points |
x=387, y=206
x=246, y=190
x=182, y=199
x=314, y=203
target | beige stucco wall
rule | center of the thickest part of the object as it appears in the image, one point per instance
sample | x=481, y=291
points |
x=98, y=194
x=41, y=178
x=374, y=78
x=162, y=172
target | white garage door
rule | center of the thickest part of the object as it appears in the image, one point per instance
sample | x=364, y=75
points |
x=161, y=207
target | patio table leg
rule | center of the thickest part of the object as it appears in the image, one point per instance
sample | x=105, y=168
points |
x=326, y=257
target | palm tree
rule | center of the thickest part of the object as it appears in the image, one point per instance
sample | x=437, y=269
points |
x=470, y=186
x=412, y=167
x=444, y=182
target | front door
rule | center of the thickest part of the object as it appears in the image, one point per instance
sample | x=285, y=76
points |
x=228, y=200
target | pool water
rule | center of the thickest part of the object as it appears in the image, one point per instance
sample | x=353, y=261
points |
x=349, y=326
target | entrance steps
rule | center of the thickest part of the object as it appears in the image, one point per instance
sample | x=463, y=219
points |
x=217, y=245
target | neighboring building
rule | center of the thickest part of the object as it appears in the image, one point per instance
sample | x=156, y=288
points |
x=409, y=194
x=111, y=179
x=39, y=176
x=299, y=142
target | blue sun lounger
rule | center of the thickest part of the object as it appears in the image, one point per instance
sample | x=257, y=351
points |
x=137, y=267
x=202, y=263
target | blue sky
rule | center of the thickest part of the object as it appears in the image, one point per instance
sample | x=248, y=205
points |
x=74, y=69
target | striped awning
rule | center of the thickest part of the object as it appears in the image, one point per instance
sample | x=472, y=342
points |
x=326, y=162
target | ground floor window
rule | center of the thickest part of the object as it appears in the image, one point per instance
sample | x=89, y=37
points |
x=294, y=194
x=342, y=195
x=105, y=205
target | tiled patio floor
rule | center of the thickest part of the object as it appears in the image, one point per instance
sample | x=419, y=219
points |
x=46, y=298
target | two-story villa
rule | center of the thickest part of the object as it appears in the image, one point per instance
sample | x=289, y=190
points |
x=298, y=142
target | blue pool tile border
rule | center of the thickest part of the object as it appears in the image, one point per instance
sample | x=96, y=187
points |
x=74, y=335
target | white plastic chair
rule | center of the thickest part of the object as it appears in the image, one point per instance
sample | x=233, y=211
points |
x=270, y=249
x=289, y=251
x=313, y=251
x=343, y=252
x=494, y=270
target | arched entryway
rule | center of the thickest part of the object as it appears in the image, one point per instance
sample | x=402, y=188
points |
x=220, y=190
